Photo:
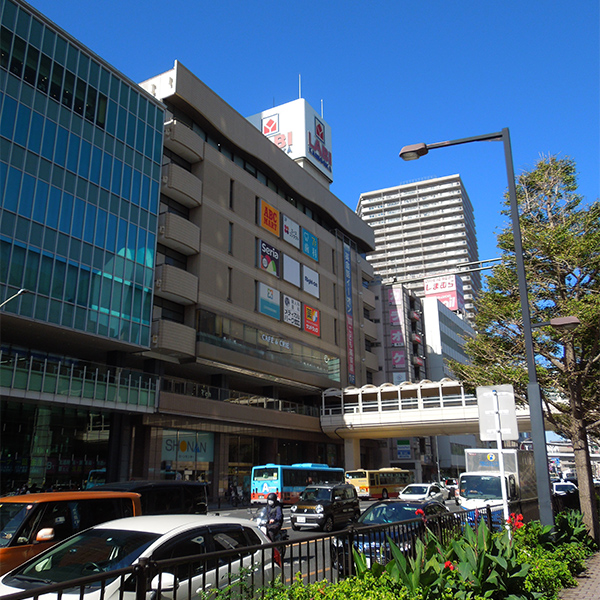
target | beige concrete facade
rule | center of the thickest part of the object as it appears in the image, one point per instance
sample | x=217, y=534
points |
x=218, y=172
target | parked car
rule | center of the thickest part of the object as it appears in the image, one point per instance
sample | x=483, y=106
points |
x=326, y=507
x=164, y=497
x=373, y=541
x=564, y=488
x=32, y=523
x=121, y=543
x=421, y=492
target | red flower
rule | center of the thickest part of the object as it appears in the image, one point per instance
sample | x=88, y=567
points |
x=448, y=565
x=419, y=512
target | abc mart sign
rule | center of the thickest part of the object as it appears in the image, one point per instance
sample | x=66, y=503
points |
x=300, y=132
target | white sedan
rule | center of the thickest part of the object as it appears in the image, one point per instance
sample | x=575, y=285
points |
x=421, y=492
x=121, y=543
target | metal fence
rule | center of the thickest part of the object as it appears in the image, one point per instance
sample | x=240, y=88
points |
x=248, y=571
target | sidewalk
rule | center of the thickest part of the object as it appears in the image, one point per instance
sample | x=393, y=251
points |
x=588, y=587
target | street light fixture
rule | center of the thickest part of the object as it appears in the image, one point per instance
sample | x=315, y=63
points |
x=21, y=291
x=534, y=397
x=560, y=323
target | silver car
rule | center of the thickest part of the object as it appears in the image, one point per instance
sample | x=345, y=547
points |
x=420, y=492
x=121, y=543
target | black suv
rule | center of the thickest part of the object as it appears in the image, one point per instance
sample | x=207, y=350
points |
x=326, y=506
x=164, y=497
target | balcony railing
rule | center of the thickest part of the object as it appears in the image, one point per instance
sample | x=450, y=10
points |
x=71, y=380
x=186, y=387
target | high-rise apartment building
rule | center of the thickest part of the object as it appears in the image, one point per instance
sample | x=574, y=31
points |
x=422, y=229
x=191, y=289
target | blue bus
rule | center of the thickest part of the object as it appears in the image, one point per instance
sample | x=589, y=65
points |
x=288, y=481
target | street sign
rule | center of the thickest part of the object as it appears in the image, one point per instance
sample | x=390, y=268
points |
x=496, y=404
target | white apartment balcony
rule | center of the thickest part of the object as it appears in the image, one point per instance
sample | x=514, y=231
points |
x=173, y=339
x=184, y=142
x=178, y=233
x=181, y=185
x=176, y=285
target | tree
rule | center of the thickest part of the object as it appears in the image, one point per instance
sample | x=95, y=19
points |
x=561, y=248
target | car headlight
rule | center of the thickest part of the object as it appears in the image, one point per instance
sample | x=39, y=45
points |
x=319, y=508
x=294, y=508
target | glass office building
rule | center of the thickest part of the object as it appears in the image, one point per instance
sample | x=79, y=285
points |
x=80, y=169
x=80, y=164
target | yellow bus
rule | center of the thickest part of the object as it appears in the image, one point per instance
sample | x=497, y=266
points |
x=383, y=483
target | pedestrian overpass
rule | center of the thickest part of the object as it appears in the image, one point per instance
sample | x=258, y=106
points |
x=427, y=408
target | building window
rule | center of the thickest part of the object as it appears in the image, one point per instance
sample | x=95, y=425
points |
x=229, y=281
x=230, y=239
x=231, y=194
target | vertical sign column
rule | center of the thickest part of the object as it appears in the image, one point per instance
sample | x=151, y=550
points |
x=349, y=314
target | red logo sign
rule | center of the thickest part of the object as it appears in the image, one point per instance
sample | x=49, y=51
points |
x=319, y=130
x=270, y=125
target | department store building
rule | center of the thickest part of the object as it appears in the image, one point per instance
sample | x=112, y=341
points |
x=192, y=285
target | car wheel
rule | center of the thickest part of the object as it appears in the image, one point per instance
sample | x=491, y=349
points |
x=295, y=527
x=384, y=495
x=328, y=525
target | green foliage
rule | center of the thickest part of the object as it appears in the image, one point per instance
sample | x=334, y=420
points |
x=548, y=575
x=367, y=587
x=529, y=563
x=480, y=564
x=571, y=528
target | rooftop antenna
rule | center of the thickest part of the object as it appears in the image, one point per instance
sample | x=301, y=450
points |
x=322, y=117
x=299, y=85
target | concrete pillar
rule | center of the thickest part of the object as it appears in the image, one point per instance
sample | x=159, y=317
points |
x=351, y=454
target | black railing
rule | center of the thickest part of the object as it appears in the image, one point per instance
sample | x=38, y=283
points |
x=253, y=569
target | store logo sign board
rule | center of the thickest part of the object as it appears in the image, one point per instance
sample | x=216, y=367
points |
x=290, y=231
x=269, y=301
x=269, y=218
x=448, y=289
x=298, y=130
x=310, y=281
x=292, y=311
x=396, y=337
x=269, y=258
x=310, y=245
x=188, y=447
x=398, y=359
x=312, y=320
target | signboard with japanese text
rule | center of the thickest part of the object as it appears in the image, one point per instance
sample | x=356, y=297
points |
x=448, y=289
x=310, y=245
x=290, y=231
x=292, y=311
x=298, y=130
x=398, y=359
x=349, y=314
x=312, y=320
x=396, y=337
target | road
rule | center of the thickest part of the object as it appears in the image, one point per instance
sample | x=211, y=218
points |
x=310, y=552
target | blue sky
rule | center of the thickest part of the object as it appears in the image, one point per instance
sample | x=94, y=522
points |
x=388, y=73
